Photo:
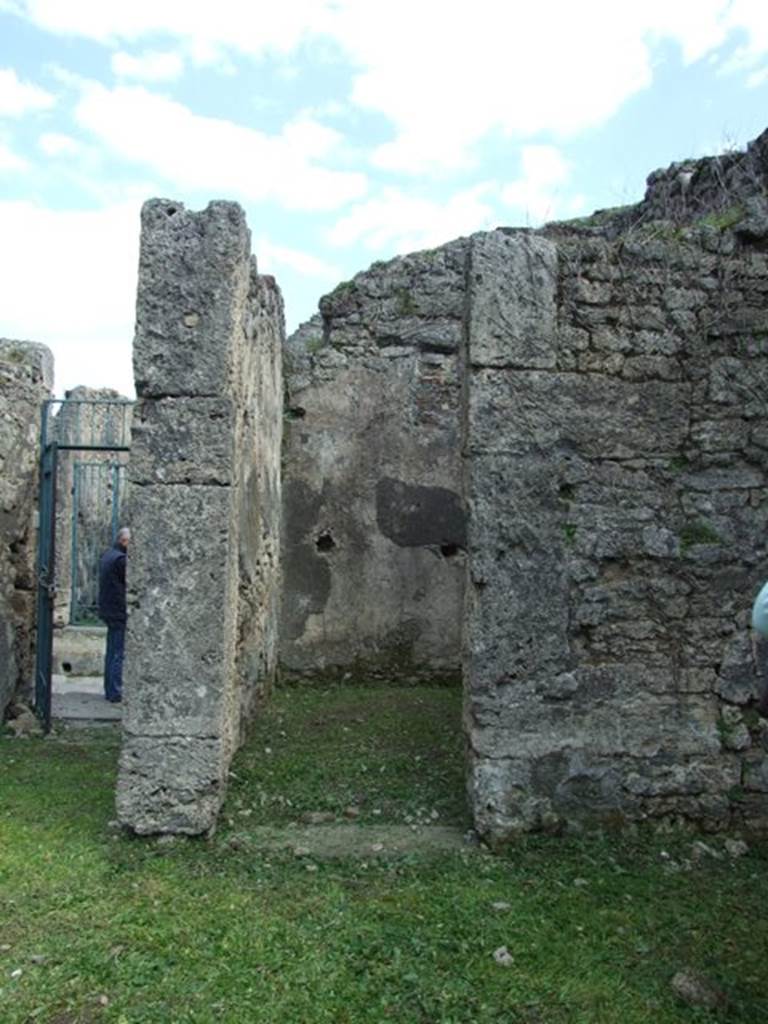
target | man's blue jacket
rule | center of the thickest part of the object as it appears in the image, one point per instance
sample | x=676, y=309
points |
x=112, y=585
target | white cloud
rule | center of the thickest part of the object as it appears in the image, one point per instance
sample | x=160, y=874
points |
x=57, y=144
x=271, y=256
x=10, y=161
x=18, y=98
x=539, y=193
x=69, y=281
x=757, y=78
x=206, y=29
x=446, y=77
x=210, y=154
x=398, y=222
x=555, y=71
x=310, y=138
x=751, y=16
x=151, y=66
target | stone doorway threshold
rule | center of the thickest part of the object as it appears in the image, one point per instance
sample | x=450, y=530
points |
x=79, y=700
x=349, y=840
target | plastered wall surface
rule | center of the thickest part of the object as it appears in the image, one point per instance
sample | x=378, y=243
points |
x=374, y=522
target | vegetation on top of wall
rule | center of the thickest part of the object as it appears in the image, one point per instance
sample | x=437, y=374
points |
x=723, y=220
x=342, y=290
x=594, y=220
x=314, y=344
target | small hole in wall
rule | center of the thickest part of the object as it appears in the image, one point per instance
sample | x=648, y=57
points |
x=66, y=666
x=449, y=550
x=325, y=542
x=171, y=211
x=296, y=412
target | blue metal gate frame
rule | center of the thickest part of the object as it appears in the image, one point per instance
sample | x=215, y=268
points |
x=115, y=439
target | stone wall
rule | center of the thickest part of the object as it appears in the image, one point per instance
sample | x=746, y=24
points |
x=374, y=524
x=616, y=476
x=201, y=567
x=259, y=390
x=607, y=382
x=26, y=378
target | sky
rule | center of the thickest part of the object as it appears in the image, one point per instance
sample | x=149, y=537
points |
x=349, y=130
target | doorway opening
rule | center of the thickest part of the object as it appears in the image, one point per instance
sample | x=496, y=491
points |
x=79, y=515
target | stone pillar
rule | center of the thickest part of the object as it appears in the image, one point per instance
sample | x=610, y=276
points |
x=207, y=336
x=26, y=379
x=516, y=601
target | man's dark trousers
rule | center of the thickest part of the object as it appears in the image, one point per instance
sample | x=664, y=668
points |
x=112, y=611
x=113, y=661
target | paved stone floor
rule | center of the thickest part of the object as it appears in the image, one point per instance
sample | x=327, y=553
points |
x=80, y=699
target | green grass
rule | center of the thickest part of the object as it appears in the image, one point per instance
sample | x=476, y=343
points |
x=106, y=928
x=395, y=754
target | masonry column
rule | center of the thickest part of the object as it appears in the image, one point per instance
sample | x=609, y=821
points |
x=515, y=632
x=201, y=315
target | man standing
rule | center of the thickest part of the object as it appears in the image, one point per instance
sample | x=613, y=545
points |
x=113, y=611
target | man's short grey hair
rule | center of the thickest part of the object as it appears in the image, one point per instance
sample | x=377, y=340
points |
x=124, y=533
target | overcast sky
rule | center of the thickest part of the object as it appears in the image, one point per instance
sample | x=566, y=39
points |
x=350, y=130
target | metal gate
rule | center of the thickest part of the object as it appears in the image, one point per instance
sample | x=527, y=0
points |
x=71, y=425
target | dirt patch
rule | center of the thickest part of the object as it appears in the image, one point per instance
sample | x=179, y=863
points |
x=359, y=841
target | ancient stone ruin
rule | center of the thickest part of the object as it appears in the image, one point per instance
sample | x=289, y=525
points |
x=26, y=379
x=594, y=396
x=204, y=512
x=537, y=459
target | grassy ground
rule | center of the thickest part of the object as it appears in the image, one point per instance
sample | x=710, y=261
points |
x=395, y=755
x=98, y=927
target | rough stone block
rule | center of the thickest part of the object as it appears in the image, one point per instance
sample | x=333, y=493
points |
x=170, y=783
x=182, y=608
x=183, y=441
x=517, y=601
x=193, y=283
x=610, y=725
x=513, y=312
x=595, y=416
